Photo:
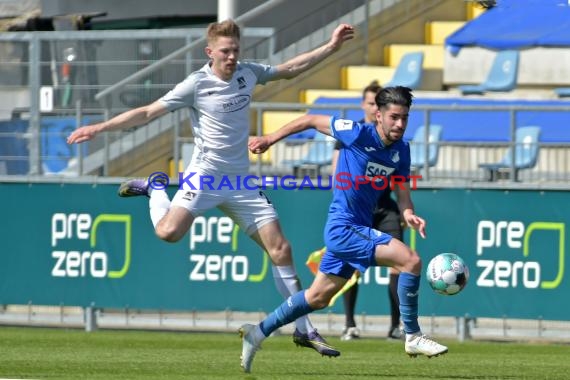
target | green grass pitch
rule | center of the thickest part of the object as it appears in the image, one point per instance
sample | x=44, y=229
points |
x=39, y=353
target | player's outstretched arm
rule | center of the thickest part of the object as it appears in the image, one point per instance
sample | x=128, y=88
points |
x=305, y=61
x=320, y=122
x=128, y=119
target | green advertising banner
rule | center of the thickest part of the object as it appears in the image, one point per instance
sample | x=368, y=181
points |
x=77, y=244
x=514, y=244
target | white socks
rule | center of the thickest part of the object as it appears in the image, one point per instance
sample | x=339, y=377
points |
x=288, y=284
x=159, y=205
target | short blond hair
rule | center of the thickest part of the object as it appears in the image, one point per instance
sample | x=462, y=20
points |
x=227, y=28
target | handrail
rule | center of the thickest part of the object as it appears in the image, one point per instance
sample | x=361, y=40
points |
x=175, y=54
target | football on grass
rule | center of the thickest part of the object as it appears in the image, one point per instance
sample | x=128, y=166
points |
x=447, y=274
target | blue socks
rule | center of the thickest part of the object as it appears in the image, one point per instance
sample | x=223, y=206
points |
x=293, y=308
x=408, y=290
x=296, y=306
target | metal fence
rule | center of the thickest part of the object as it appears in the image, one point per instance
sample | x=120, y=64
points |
x=371, y=326
x=458, y=162
x=65, y=70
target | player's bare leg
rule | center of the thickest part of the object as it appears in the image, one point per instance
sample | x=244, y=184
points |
x=271, y=238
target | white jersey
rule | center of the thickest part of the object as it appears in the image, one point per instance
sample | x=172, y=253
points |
x=219, y=115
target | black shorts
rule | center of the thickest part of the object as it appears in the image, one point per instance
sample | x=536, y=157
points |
x=389, y=221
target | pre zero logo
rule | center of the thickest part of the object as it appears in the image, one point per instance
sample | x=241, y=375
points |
x=215, y=266
x=74, y=245
x=511, y=236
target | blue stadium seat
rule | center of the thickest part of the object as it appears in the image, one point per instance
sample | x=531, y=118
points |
x=418, y=150
x=502, y=77
x=14, y=152
x=320, y=154
x=562, y=92
x=526, y=154
x=409, y=72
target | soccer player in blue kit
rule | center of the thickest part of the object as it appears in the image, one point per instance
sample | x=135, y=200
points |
x=372, y=155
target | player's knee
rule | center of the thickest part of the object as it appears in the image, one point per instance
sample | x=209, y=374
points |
x=168, y=233
x=409, y=261
x=414, y=262
x=280, y=253
x=318, y=301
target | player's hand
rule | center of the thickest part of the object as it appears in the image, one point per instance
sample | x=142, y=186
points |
x=82, y=134
x=259, y=144
x=417, y=223
x=342, y=33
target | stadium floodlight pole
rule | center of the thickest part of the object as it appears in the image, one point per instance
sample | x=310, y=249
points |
x=241, y=20
x=226, y=9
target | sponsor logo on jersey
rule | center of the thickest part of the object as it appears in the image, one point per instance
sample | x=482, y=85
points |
x=241, y=82
x=374, y=169
x=235, y=104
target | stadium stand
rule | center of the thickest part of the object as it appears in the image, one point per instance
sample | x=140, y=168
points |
x=319, y=155
x=539, y=30
x=56, y=154
x=310, y=96
x=502, y=76
x=433, y=54
x=13, y=147
x=484, y=133
x=355, y=78
x=526, y=154
x=271, y=121
x=409, y=72
x=562, y=92
x=418, y=147
x=469, y=124
x=437, y=31
x=479, y=130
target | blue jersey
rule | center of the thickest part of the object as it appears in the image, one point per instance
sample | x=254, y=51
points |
x=364, y=169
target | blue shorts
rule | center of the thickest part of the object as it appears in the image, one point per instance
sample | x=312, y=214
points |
x=350, y=248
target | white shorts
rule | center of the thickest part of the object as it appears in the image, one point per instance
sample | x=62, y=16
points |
x=249, y=207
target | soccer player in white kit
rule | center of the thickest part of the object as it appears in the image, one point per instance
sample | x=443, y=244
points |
x=218, y=96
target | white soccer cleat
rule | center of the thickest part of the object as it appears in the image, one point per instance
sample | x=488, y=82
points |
x=249, y=346
x=420, y=344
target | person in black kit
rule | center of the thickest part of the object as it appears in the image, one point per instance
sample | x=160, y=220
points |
x=386, y=219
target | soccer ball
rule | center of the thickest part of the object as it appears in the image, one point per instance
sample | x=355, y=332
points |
x=447, y=274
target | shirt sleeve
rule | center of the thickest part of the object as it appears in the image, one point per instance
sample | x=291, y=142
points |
x=264, y=73
x=344, y=130
x=183, y=95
